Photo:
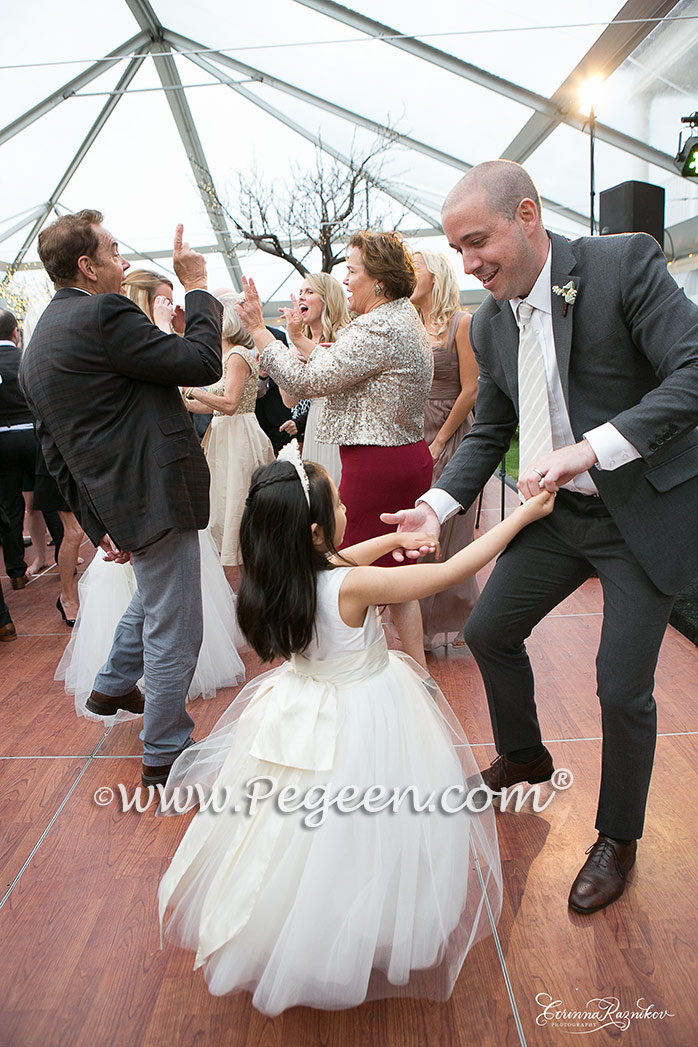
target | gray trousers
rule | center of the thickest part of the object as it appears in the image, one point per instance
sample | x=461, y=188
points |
x=545, y=563
x=159, y=637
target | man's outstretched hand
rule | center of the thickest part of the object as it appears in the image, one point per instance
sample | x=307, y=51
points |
x=422, y=518
x=112, y=552
x=189, y=265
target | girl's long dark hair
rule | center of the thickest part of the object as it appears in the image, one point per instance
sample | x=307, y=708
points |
x=277, y=599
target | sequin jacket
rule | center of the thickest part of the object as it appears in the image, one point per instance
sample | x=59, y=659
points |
x=376, y=378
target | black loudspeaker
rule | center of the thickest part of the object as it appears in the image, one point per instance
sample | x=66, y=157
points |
x=633, y=207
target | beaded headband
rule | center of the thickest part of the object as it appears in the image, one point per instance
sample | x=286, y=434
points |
x=291, y=453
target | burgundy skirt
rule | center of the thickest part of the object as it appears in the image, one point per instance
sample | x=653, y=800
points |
x=379, y=480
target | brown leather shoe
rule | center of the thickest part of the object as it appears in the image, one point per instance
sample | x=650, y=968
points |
x=18, y=583
x=109, y=705
x=503, y=772
x=7, y=632
x=602, y=878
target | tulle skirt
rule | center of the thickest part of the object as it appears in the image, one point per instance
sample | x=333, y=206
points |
x=366, y=904
x=326, y=455
x=105, y=591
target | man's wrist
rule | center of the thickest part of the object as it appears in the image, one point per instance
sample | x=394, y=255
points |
x=588, y=452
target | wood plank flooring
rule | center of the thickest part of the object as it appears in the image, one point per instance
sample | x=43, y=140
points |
x=80, y=962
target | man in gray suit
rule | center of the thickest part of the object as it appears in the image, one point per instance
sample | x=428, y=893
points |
x=619, y=383
x=103, y=381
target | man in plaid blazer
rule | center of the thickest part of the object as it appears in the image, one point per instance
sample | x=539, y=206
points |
x=103, y=382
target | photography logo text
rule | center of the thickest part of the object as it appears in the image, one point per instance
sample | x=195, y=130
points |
x=603, y=1012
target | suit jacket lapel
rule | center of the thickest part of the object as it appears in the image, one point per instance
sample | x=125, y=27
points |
x=505, y=335
x=561, y=272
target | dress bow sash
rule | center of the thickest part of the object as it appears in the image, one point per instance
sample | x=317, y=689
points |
x=295, y=719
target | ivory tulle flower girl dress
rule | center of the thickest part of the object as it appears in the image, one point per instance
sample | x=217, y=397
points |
x=311, y=883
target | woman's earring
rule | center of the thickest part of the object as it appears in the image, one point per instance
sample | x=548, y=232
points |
x=377, y=290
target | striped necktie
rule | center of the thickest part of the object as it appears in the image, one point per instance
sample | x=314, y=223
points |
x=535, y=430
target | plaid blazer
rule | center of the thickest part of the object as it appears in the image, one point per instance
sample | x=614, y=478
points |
x=102, y=381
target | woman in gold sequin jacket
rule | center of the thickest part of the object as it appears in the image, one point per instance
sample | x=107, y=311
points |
x=376, y=378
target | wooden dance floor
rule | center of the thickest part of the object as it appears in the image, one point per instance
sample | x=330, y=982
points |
x=80, y=962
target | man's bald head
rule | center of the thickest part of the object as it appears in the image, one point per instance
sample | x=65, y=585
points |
x=503, y=183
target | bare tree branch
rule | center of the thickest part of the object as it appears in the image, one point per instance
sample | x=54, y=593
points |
x=320, y=206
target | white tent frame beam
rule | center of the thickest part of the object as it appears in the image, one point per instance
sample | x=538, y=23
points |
x=114, y=99
x=611, y=49
x=184, y=121
x=68, y=90
x=515, y=92
x=28, y=217
x=182, y=43
x=384, y=187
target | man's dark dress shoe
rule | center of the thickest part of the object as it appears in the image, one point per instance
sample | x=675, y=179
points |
x=158, y=775
x=7, y=632
x=602, y=877
x=155, y=775
x=18, y=583
x=503, y=773
x=109, y=705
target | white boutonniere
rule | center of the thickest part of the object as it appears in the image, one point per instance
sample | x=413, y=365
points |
x=568, y=292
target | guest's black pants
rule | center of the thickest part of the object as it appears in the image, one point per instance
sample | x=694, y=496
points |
x=545, y=563
x=18, y=457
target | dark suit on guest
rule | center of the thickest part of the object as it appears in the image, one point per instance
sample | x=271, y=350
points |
x=627, y=352
x=103, y=383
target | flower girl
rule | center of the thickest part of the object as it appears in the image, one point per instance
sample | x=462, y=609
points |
x=334, y=857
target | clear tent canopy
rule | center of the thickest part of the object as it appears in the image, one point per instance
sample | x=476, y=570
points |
x=149, y=110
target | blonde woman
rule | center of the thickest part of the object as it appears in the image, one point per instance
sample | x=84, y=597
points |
x=152, y=293
x=320, y=312
x=235, y=444
x=447, y=418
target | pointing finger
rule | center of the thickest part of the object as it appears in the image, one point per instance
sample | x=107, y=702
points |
x=179, y=232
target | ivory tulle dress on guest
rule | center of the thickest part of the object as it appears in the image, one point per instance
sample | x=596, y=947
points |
x=235, y=444
x=330, y=907
x=448, y=416
x=105, y=591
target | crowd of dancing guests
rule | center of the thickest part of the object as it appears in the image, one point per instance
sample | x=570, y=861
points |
x=377, y=380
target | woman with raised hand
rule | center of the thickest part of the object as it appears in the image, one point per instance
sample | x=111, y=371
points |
x=235, y=444
x=312, y=325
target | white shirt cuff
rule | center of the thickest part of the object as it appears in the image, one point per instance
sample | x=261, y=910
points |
x=610, y=447
x=443, y=504
x=204, y=289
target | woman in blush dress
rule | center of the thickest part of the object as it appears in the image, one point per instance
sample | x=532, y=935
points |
x=448, y=417
x=235, y=444
x=320, y=312
x=376, y=377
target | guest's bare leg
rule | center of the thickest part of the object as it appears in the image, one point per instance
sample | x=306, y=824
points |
x=73, y=535
x=407, y=618
x=36, y=528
